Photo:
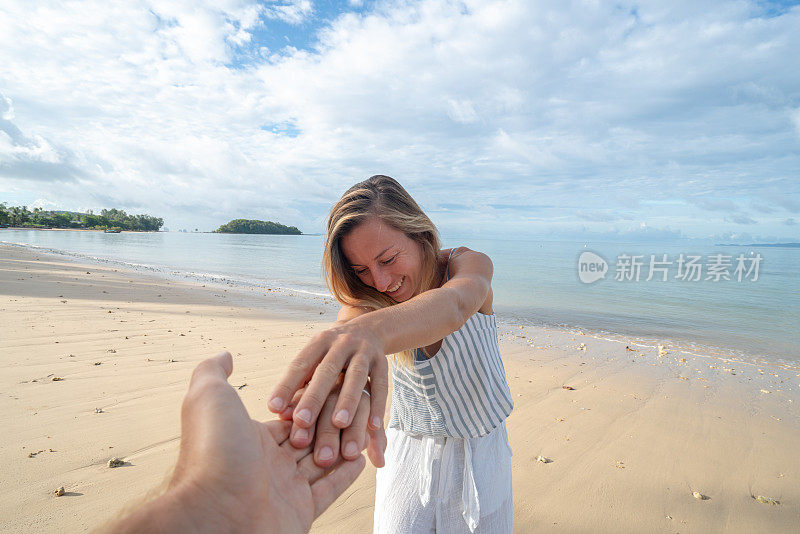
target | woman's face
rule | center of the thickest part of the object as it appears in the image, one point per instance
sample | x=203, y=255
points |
x=384, y=258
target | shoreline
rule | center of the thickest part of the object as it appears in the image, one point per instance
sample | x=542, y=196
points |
x=76, y=230
x=253, y=289
x=628, y=445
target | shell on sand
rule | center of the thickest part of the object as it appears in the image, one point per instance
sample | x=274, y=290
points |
x=662, y=351
x=766, y=500
x=543, y=460
x=699, y=496
x=59, y=492
x=115, y=462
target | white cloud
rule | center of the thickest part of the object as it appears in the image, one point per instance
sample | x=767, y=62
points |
x=141, y=104
x=45, y=204
x=6, y=108
x=30, y=157
x=461, y=111
x=292, y=12
x=795, y=116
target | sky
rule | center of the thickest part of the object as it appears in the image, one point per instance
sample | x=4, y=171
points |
x=541, y=118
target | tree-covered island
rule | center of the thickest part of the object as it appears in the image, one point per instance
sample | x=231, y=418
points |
x=251, y=226
x=20, y=216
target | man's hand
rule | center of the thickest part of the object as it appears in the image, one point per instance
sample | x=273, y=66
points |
x=237, y=474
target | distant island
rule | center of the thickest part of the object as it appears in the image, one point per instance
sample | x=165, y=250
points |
x=251, y=226
x=113, y=219
x=777, y=245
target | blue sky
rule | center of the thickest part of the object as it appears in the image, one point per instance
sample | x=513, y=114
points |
x=547, y=118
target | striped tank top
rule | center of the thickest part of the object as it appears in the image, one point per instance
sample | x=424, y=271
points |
x=460, y=392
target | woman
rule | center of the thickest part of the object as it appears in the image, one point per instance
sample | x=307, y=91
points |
x=448, y=463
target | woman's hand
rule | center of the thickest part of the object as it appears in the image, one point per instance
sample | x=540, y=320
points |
x=348, y=346
x=330, y=439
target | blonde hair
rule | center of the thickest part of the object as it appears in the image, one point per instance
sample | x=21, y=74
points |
x=382, y=197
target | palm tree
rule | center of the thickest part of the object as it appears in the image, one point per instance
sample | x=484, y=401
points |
x=18, y=215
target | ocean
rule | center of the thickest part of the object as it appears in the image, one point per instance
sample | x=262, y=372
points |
x=705, y=304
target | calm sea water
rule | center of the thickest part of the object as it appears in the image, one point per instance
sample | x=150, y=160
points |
x=535, y=282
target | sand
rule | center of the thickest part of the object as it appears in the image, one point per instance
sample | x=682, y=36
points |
x=628, y=445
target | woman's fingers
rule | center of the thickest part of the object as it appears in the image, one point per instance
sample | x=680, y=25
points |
x=354, y=381
x=302, y=437
x=321, y=384
x=379, y=389
x=298, y=436
x=299, y=371
x=286, y=414
x=376, y=446
x=326, y=446
x=354, y=436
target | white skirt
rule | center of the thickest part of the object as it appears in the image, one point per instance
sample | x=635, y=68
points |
x=445, y=485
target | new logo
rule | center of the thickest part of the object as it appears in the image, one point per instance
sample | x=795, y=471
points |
x=591, y=267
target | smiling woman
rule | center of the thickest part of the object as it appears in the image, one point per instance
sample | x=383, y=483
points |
x=366, y=221
x=394, y=268
x=432, y=309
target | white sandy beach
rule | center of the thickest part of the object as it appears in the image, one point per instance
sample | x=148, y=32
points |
x=629, y=445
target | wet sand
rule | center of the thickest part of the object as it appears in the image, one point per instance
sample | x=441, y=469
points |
x=628, y=445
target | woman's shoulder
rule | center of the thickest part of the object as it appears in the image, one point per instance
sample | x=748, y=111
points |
x=456, y=257
x=454, y=252
x=465, y=262
x=448, y=254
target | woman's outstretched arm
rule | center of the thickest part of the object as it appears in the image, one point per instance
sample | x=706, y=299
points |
x=359, y=343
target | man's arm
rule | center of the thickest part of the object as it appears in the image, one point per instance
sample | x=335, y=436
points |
x=234, y=473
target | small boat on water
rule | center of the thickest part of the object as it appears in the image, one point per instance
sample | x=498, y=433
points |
x=113, y=230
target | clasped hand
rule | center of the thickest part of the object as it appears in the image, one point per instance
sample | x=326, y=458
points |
x=313, y=393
